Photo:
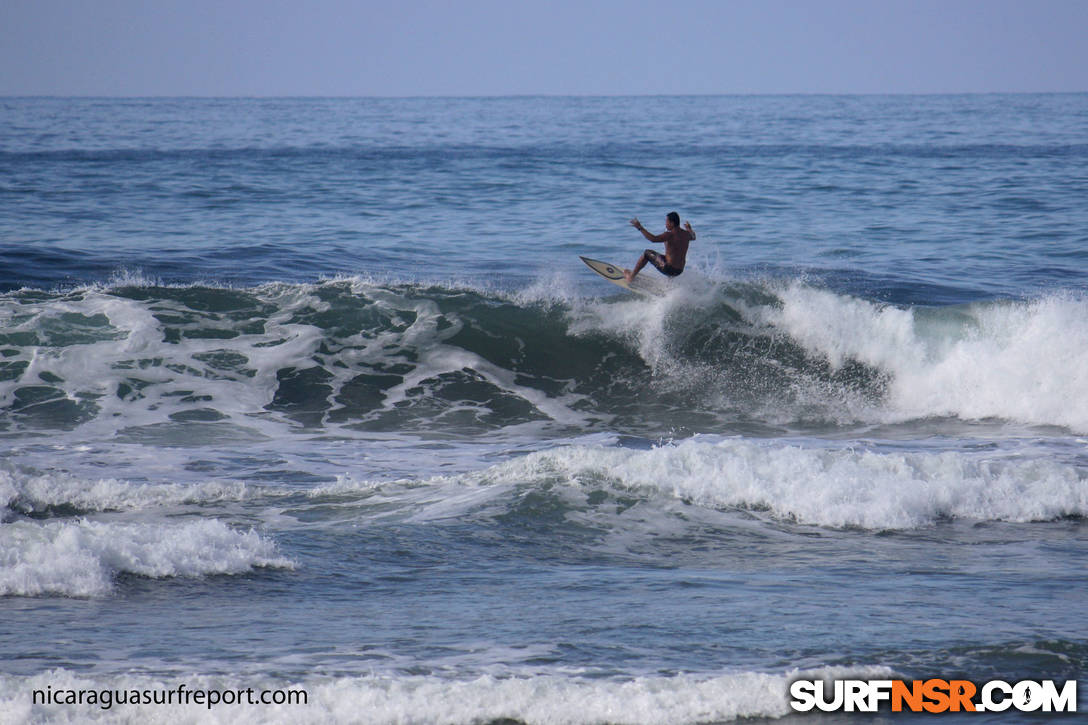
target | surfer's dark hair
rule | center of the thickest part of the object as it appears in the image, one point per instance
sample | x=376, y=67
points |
x=674, y=218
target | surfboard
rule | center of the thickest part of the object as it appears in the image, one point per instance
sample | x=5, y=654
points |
x=614, y=274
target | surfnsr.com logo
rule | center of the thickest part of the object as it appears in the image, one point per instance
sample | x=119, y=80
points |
x=933, y=696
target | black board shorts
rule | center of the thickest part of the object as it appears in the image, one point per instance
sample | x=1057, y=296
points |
x=658, y=261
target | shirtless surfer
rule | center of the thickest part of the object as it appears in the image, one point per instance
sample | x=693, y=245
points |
x=676, y=240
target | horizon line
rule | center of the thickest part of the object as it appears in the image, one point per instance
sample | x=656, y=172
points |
x=499, y=96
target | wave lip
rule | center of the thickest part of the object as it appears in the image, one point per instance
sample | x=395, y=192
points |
x=82, y=558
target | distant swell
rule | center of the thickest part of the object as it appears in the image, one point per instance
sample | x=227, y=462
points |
x=191, y=365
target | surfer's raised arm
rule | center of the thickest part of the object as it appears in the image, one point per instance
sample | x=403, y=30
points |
x=687, y=225
x=645, y=232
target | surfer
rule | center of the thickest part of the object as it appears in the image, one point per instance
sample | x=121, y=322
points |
x=676, y=241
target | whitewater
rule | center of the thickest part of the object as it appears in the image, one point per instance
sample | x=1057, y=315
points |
x=292, y=397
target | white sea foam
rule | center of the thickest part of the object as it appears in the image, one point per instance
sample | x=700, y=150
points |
x=820, y=486
x=1023, y=361
x=426, y=337
x=128, y=351
x=151, y=364
x=81, y=558
x=540, y=699
x=169, y=364
x=34, y=492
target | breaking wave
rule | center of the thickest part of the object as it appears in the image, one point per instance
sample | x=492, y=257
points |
x=66, y=536
x=839, y=488
x=83, y=558
x=191, y=365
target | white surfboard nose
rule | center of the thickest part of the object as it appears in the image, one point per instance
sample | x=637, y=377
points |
x=614, y=274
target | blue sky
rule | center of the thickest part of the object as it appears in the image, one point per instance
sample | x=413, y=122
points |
x=493, y=47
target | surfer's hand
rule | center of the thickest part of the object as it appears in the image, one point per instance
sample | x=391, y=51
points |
x=636, y=223
x=687, y=225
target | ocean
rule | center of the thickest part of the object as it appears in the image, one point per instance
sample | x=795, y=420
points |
x=315, y=395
